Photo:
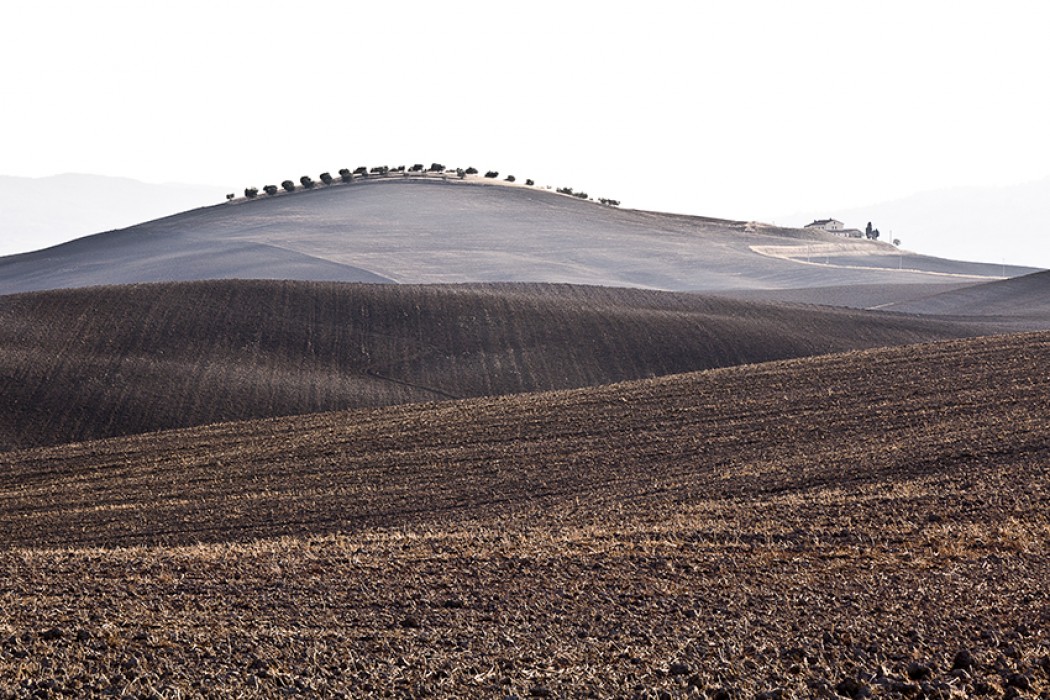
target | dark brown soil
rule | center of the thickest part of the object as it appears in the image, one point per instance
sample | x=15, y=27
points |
x=869, y=524
x=84, y=364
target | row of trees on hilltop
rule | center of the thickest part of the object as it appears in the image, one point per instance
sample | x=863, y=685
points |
x=364, y=172
x=583, y=195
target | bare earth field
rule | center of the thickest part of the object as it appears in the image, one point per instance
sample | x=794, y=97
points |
x=875, y=523
x=1020, y=299
x=91, y=363
x=1018, y=303
x=542, y=477
x=414, y=231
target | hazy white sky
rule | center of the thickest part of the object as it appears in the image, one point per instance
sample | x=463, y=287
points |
x=745, y=109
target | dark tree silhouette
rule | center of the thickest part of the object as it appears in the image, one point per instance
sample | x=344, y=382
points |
x=492, y=174
x=436, y=167
x=346, y=175
x=530, y=183
x=251, y=192
x=471, y=171
x=288, y=186
x=270, y=190
x=510, y=178
x=230, y=196
x=307, y=182
x=867, y=230
x=326, y=178
x=362, y=171
x=417, y=168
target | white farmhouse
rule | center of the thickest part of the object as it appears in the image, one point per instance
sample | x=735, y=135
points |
x=829, y=225
x=835, y=227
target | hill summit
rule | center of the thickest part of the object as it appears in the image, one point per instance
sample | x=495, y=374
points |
x=414, y=230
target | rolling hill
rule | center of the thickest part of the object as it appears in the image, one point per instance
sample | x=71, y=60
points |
x=450, y=231
x=460, y=440
x=90, y=363
x=872, y=523
x=1020, y=300
x=837, y=421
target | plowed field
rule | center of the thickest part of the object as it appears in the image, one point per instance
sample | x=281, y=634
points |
x=91, y=363
x=873, y=523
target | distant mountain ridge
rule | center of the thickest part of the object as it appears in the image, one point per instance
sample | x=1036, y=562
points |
x=40, y=212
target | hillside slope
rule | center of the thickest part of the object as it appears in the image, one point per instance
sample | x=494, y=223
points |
x=868, y=524
x=91, y=363
x=846, y=420
x=1022, y=300
x=435, y=231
